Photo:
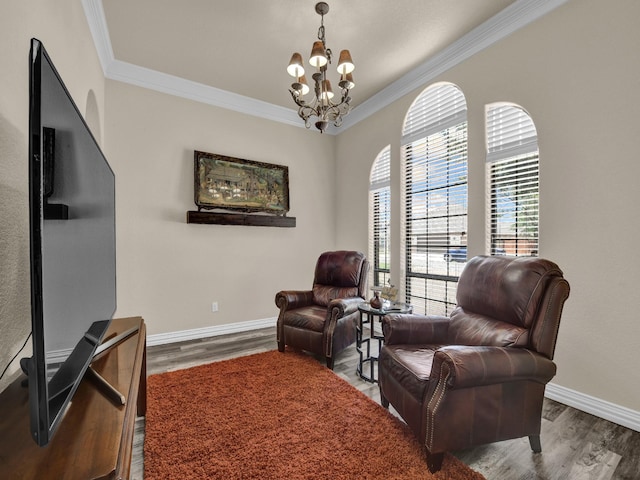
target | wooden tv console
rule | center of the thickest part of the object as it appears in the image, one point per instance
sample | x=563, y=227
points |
x=95, y=438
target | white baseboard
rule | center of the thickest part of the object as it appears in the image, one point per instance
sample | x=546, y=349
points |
x=213, y=331
x=600, y=408
x=595, y=406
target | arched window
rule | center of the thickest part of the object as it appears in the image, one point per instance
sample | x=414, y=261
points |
x=512, y=181
x=434, y=153
x=379, y=218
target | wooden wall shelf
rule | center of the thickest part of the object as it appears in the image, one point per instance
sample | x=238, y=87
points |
x=213, y=218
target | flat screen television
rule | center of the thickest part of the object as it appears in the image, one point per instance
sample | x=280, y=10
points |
x=72, y=245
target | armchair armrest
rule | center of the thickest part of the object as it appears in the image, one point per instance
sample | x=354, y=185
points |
x=470, y=366
x=289, y=299
x=408, y=328
x=340, y=317
x=339, y=307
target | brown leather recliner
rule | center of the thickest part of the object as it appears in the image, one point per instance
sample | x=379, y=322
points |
x=479, y=375
x=322, y=320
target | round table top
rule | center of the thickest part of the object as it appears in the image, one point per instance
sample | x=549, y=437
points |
x=395, y=307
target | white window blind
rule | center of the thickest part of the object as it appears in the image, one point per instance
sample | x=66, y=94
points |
x=436, y=109
x=513, y=181
x=510, y=132
x=380, y=218
x=435, y=193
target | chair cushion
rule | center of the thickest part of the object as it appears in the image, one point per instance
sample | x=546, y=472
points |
x=309, y=318
x=323, y=294
x=410, y=366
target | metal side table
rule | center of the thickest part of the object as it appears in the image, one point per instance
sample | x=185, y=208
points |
x=368, y=347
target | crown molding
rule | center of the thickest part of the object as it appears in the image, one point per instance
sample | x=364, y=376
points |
x=501, y=25
x=180, y=87
x=99, y=31
x=512, y=18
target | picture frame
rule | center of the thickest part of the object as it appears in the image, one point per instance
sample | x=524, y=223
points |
x=229, y=183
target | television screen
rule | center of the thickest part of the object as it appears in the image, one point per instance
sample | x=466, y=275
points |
x=72, y=226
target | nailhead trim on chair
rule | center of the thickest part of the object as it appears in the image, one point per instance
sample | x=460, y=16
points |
x=438, y=395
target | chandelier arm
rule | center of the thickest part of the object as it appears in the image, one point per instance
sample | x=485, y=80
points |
x=296, y=98
x=344, y=102
x=334, y=112
x=306, y=111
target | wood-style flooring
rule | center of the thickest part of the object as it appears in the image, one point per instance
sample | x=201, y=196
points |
x=575, y=445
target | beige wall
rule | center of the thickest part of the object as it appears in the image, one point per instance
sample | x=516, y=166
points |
x=62, y=27
x=169, y=271
x=576, y=73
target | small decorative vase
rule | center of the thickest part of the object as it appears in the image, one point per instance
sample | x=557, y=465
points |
x=375, y=302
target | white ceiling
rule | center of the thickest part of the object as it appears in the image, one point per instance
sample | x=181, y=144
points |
x=234, y=53
x=244, y=46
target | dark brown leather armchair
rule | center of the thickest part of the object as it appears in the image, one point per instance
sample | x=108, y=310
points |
x=479, y=375
x=322, y=320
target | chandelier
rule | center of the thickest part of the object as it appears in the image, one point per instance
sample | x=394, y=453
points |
x=322, y=104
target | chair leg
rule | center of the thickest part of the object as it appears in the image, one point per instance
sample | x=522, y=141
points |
x=434, y=461
x=280, y=346
x=329, y=363
x=383, y=400
x=534, y=441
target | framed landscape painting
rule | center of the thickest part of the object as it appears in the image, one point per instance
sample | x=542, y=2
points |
x=241, y=185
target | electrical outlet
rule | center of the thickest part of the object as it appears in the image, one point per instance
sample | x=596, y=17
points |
x=214, y=307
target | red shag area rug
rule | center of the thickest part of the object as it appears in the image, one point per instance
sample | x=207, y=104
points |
x=276, y=416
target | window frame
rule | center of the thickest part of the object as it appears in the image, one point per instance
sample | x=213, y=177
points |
x=512, y=181
x=380, y=219
x=435, y=132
